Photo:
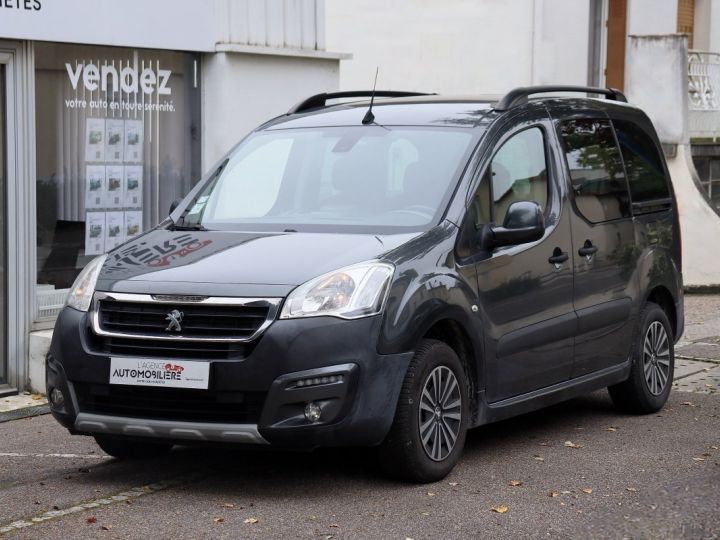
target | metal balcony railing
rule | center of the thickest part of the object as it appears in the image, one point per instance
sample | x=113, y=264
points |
x=704, y=94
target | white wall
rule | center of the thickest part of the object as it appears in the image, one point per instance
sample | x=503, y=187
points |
x=707, y=26
x=662, y=60
x=297, y=24
x=241, y=91
x=459, y=46
x=714, y=37
x=648, y=17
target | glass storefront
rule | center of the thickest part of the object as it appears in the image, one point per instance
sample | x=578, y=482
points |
x=117, y=140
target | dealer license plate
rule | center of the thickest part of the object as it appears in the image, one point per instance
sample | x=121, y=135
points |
x=154, y=372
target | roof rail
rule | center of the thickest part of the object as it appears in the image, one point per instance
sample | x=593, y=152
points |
x=518, y=96
x=318, y=100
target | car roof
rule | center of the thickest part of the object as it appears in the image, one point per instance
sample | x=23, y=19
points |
x=426, y=110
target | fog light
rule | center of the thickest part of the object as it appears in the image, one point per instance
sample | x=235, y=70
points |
x=312, y=412
x=56, y=397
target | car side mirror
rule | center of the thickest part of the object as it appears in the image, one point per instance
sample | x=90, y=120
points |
x=174, y=205
x=524, y=222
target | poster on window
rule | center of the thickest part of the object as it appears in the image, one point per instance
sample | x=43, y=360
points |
x=94, y=233
x=114, y=135
x=134, y=141
x=114, y=175
x=133, y=186
x=95, y=139
x=94, y=186
x=114, y=229
x=133, y=223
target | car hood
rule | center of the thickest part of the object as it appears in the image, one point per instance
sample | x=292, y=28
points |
x=223, y=263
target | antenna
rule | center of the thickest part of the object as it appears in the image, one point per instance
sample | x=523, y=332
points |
x=369, y=117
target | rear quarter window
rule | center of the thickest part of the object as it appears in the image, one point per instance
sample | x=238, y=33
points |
x=596, y=169
x=643, y=163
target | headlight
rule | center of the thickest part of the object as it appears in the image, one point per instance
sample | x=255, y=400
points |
x=82, y=290
x=350, y=293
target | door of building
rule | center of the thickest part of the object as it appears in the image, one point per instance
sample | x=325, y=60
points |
x=616, y=36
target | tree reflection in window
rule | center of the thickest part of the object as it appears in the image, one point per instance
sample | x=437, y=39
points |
x=596, y=169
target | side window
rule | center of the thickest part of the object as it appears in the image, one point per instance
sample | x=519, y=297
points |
x=518, y=172
x=596, y=169
x=643, y=163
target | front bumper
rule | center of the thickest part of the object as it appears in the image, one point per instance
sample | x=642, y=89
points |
x=358, y=404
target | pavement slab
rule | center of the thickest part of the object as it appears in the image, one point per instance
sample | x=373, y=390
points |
x=685, y=368
x=700, y=350
x=706, y=381
x=21, y=401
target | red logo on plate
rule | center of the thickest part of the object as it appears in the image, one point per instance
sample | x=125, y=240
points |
x=175, y=368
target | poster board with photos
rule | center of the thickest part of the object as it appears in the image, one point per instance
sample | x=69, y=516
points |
x=113, y=182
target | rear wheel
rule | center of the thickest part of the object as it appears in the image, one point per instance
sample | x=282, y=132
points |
x=653, y=362
x=428, y=432
x=129, y=448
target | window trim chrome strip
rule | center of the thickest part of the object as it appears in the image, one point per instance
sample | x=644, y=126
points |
x=273, y=305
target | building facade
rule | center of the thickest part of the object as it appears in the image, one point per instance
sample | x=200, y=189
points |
x=109, y=111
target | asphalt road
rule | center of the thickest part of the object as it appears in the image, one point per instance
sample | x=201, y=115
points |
x=626, y=477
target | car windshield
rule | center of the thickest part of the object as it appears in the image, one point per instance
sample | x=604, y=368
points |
x=347, y=179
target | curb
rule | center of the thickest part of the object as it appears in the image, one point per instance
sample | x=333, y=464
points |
x=24, y=412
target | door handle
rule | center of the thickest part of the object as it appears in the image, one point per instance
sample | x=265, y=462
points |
x=558, y=257
x=588, y=250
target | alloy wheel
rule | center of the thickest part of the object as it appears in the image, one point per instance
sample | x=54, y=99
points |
x=656, y=358
x=440, y=413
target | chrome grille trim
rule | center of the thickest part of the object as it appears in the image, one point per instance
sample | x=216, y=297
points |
x=272, y=304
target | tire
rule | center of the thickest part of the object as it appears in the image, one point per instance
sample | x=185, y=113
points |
x=129, y=448
x=403, y=454
x=653, y=361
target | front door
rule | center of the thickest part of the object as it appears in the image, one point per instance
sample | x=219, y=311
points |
x=526, y=300
x=603, y=243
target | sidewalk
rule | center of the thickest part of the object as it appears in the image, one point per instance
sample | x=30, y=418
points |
x=697, y=354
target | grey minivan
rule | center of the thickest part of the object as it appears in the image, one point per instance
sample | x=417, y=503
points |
x=386, y=272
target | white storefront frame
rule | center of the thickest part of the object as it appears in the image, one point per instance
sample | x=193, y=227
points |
x=17, y=57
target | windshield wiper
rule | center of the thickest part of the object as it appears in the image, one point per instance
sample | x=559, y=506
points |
x=193, y=227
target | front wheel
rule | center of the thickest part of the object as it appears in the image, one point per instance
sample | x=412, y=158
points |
x=653, y=362
x=428, y=433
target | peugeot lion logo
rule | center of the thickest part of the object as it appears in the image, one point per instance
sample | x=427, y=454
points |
x=175, y=317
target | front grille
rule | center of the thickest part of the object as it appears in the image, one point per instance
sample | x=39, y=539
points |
x=174, y=350
x=208, y=321
x=170, y=403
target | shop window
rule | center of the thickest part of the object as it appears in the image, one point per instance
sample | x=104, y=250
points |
x=116, y=143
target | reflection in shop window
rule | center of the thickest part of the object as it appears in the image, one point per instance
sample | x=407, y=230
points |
x=116, y=144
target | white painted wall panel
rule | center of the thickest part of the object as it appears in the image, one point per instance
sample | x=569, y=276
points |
x=714, y=37
x=257, y=30
x=241, y=91
x=293, y=23
x=186, y=25
x=308, y=21
x=236, y=18
x=651, y=17
x=275, y=24
x=459, y=46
